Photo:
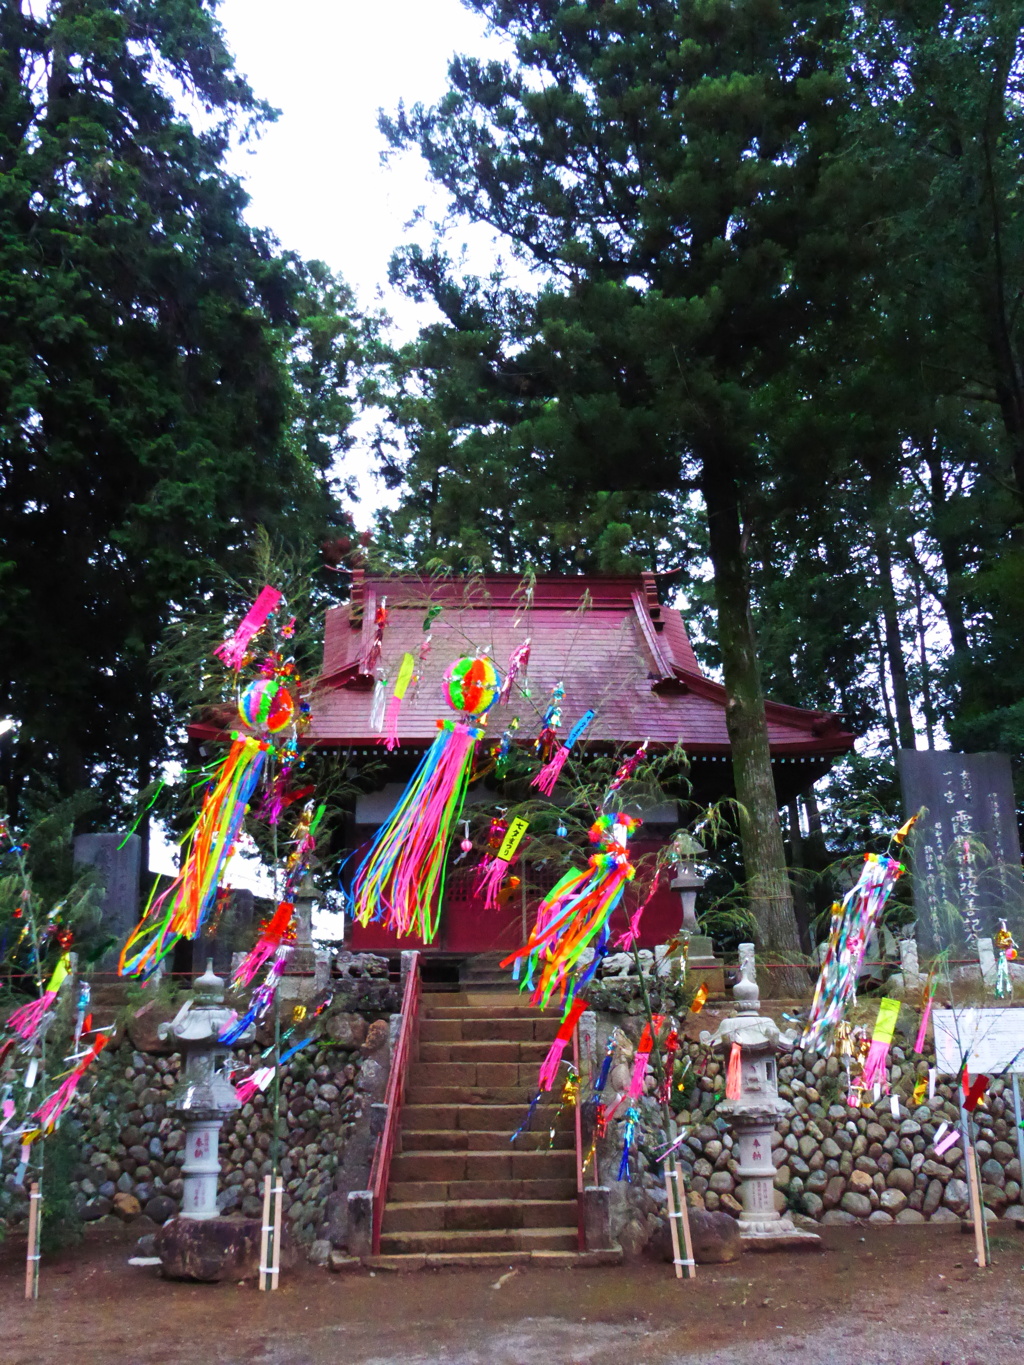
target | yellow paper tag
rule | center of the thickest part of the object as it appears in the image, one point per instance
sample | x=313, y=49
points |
x=697, y=1003
x=885, y=1024
x=920, y=1090
x=513, y=838
x=59, y=973
x=298, y=1014
x=404, y=678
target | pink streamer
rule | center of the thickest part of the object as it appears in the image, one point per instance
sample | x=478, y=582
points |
x=548, y=776
x=876, y=1069
x=550, y=1065
x=919, y=1045
x=517, y=661
x=489, y=878
x=636, y=1081
x=630, y=936
x=390, y=738
x=254, y=1084
x=26, y=1020
x=232, y=651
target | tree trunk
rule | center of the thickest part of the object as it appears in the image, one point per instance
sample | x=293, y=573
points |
x=883, y=687
x=894, y=641
x=798, y=874
x=764, y=856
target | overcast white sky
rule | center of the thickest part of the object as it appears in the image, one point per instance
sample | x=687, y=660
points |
x=315, y=176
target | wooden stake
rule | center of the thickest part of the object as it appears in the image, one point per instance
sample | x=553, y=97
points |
x=265, y=1236
x=278, y=1218
x=673, y=1218
x=32, y=1259
x=691, y=1267
x=977, y=1212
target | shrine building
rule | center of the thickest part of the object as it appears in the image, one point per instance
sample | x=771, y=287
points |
x=615, y=648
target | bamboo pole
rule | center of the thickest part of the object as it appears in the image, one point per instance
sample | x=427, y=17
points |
x=674, y=1215
x=684, y=1210
x=32, y=1257
x=278, y=1219
x=265, y=1236
x=977, y=1212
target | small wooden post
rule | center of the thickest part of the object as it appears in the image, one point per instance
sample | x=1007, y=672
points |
x=977, y=1212
x=32, y=1259
x=674, y=1215
x=684, y=1209
x=265, y=1237
x=278, y=1219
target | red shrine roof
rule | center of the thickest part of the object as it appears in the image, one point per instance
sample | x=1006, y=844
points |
x=611, y=644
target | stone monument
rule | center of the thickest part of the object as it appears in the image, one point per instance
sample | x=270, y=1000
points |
x=117, y=859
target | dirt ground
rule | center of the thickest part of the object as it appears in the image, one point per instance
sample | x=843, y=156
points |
x=891, y=1296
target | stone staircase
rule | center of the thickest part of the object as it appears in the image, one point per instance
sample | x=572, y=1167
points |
x=460, y=1192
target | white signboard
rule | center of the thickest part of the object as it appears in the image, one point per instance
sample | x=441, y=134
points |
x=990, y=1041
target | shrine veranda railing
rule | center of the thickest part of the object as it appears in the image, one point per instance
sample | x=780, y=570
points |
x=394, y=1096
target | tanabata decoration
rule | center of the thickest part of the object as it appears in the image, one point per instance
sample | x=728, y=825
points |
x=576, y=913
x=48, y=1114
x=493, y=871
x=275, y=932
x=405, y=671
x=1006, y=949
x=625, y=772
x=548, y=776
x=505, y=746
x=27, y=1021
x=642, y=1057
x=232, y=652
x=852, y=924
x=700, y=995
x=517, y=662
x=549, y=1066
x=876, y=1065
x=401, y=879
x=551, y=722
x=262, y=997
x=267, y=704
x=629, y=1134
x=180, y=911
x=734, y=1072
x=254, y=1084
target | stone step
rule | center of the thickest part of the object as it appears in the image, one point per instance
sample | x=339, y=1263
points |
x=495, y=1118
x=519, y=1095
x=496, y=1260
x=491, y=1029
x=475, y=1215
x=480, y=1140
x=433, y=1191
x=482, y=1075
x=485, y=1050
x=490, y=1239
x=517, y=1010
x=508, y=1165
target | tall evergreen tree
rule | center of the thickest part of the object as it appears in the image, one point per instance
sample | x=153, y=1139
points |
x=148, y=418
x=675, y=167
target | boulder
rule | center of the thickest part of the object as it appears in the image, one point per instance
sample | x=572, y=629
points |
x=347, y=1029
x=126, y=1206
x=838, y=1216
x=96, y=1208
x=716, y=1237
x=893, y=1201
x=212, y=1249
x=857, y=1204
x=161, y=1207
x=957, y=1197
x=910, y=1216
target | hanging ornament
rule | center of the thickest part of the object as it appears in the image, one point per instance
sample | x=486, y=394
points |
x=466, y=843
x=517, y=662
x=378, y=705
x=493, y=871
x=48, y=1114
x=401, y=879
x=380, y=621
x=27, y=1021
x=405, y=672
x=624, y=773
x=548, y=776
x=1007, y=950
x=561, y=830
x=876, y=1064
x=551, y=722
x=576, y=913
x=852, y=925
x=232, y=652
x=267, y=705
x=180, y=911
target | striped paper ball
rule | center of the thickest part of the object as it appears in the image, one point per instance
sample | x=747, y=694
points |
x=266, y=704
x=471, y=685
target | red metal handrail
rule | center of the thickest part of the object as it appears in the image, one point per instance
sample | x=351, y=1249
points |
x=380, y=1171
x=581, y=1226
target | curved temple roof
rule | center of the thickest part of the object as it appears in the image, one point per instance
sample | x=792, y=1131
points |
x=607, y=640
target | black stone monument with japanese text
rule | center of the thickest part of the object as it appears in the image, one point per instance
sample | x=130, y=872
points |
x=965, y=849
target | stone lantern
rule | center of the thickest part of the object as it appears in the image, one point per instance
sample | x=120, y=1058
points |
x=755, y=1113
x=205, y=1096
x=700, y=952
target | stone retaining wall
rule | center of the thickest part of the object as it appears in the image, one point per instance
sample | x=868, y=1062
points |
x=129, y=1160
x=833, y=1164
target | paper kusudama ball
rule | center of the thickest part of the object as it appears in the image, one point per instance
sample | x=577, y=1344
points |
x=266, y=705
x=471, y=685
